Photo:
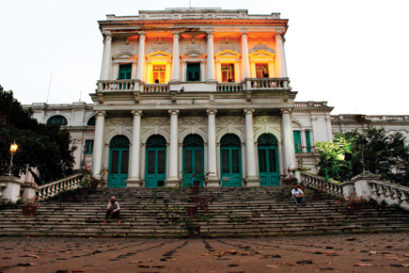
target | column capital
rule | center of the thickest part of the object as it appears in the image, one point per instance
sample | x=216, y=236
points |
x=248, y=111
x=107, y=34
x=211, y=111
x=244, y=32
x=286, y=110
x=175, y=34
x=209, y=31
x=100, y=113
x=141, y=33
x=173, y=112
x=136, y=113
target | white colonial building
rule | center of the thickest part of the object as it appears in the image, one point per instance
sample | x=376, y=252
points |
x=200, y=95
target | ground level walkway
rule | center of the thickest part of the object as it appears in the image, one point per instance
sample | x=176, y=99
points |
x=388, y=252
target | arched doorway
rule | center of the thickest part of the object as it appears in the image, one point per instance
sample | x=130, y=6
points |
x=193, y=160
x=155, y=171
x=268, y=160
x=230, y=158
x=118, y=162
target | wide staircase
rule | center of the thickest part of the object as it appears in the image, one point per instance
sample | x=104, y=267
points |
x=164, y=212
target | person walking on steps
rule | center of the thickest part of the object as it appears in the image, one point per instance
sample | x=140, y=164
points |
x=297, y=195
x=113, y=210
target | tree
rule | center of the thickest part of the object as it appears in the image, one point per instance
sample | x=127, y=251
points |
x=372, y=151
x=42, y=147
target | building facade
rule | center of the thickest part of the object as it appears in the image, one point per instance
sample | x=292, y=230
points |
x=194, y=96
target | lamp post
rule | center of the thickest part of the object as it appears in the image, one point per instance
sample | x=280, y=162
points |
x=13, y=150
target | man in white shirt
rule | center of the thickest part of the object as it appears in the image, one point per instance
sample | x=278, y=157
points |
x=297, y=195
x=113, y=210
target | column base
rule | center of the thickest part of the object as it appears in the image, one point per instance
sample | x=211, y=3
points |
x=172, y=182
x=213, y=182
x=133, y=182
x=252, y=181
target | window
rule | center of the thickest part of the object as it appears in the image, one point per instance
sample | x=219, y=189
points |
x=159, y=73
x=297, y=141
x=262, y=70
x=308, y=141
x=125, y=71
x=89, y=146
x=91, y=121
x=228, y=72
x=59, y=120
x=193, y=72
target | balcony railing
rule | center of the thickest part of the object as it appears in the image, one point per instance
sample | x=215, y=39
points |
x=267, y=83
x=117, y=85
x=156, y=88
x=249, y=84
x=229, y=87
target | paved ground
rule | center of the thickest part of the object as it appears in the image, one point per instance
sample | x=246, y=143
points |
x=336, y=253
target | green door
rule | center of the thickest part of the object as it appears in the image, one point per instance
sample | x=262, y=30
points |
x=268, y=160
x=125, y=71
x=193, y=72
x=118, y=162
x=230, y=158
x=155, y=172
x=193, y=160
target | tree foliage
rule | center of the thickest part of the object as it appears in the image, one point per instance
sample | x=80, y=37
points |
x=42, y=147
x=372, y=151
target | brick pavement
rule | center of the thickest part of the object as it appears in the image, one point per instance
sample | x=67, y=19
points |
x=335, y=253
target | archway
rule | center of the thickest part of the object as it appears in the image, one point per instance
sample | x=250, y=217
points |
x=193, y=159
x=155, y=172
x=118, y=161
x=268, y=160
x=230, y=158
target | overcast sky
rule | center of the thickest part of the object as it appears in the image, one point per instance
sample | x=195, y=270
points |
x=352, y=53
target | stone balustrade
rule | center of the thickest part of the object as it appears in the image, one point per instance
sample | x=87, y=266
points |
x=310, y=104
x=389, y=193
x=54, y=188
x=229, y=87
x=267, y=83
x=156, y=88
x=319, y=182
x=117, y=85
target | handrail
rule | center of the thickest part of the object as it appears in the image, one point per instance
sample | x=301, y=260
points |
x=319, y=182
x=391, y=194
x=117, y=85
x=229, y=87
x=54, y=188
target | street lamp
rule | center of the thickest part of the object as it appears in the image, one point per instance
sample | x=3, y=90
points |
x=13, y=150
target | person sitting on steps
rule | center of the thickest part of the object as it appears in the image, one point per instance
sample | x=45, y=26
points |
x=297, y=195
x=113, y=210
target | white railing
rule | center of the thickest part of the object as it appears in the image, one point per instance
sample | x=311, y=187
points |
x=117, y=85
x=267, y=83
x=68, y=183
x=389, y=193
x=229, y=87
x=319, y=182
x=156, y=88
x=309, y=104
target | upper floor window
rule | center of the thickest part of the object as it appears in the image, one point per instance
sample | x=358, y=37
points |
x=58, y=119
x=193, y=72
x=297, y=141
x=262, y=70
x=227, y=72
x=89, y=146
x=159, y=73
x=308, y=141
x=91, y=121
x=125, y=71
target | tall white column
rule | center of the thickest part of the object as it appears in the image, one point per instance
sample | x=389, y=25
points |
x=281, y=54
x=245, y=55
x=173, y=178
x=176, y=58
x=106, y=57
x=212, y=177
x=98, y=145
x=133, y=72
x=134, y=179
x=141, y=56
x=252, y=179
x=210, y=57
x=288, y=140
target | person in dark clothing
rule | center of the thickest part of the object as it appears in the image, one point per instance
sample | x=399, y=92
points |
x=113, y=210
